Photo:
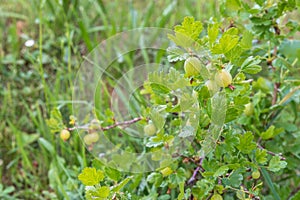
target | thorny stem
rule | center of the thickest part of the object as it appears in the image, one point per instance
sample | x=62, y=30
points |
x=272, y=153
x=105, y=128
x=276, y=85
x=193, y=178
x=275, y=92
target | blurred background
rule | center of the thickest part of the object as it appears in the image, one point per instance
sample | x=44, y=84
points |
x=42, y=43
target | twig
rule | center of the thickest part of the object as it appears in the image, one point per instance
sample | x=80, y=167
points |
x=125, y=123
x=193, y=178
x=294, y=192
x=275, y=92
x=252, y=196
x=272, y=153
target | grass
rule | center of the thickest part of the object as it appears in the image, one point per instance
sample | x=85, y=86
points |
x=35, y=79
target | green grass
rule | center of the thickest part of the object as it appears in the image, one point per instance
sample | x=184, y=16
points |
x=35, y=79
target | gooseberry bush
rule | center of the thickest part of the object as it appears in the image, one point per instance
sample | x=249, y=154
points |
x=221, y=123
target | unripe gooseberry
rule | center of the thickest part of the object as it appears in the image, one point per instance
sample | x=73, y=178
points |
x=149, y=129
x=216, y=197
x=192, y=66
x=91, y=138
x=64, y=134
x=223, y=78
x=249, y=109
x=211, y=85
x=255, y=174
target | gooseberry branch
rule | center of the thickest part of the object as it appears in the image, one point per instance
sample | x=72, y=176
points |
x=105, y=128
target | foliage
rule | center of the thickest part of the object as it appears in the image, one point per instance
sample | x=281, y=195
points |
x=233, y=153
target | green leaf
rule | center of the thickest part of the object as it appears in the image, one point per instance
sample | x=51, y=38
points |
x=187, y=131
x=188, y=102
x=268, y=133
x=181, y=40
x=166, y=81
x=222, y=170
x=55, y=122
x=218, y=104
x=231, y=141
x=90, y=176
x=234, y=180
x=155, y=178
x=260, y=2
x=157, y=119
x=113, y=173
x=252, y=69
x=213, y=32
x=102, y=192
x=226, y=43
x=271, y=132
x=47, y=145
x=181, y=190
x=178, y=177
x=261, y=156
x=234, y=54
x=187, y=33
x=246, y=144
x=190, y=28
x=276, y=164
x=233, y=5
x=232, y=31
x=159, y=88
x=261, y=84
x=202, y=188
x=246, y=42
x=250, y=65
x=240, y=194
x=119, y=186
x=176, y=54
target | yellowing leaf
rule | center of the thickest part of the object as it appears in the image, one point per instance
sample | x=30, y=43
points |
x=190, y=28
x=213, y=32
x=55, y=122
x=90, y=176
x=187, y=33
x=102, y=192
x=166, y=171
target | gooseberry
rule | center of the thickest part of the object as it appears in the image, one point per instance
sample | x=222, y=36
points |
x=149, y=129
x=249, y=109
x=255, y=174
x=91, y=138
x=223, y=78
x=192, y=66
x=64, y=134
x=216, y=197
